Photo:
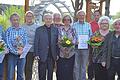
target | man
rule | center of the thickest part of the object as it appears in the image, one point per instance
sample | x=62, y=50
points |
x=94, y=27
x=57, y=20
x=94, y=23
x=46, y=39
x=16, y=39
x=30, y=28
x=81, y=58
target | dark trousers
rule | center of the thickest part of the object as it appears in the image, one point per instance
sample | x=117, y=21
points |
x=113, y=69
x=65, y=68
x=1, y=71
x=28, y=66
x=100, y=72
x=91, y=71
x=46, y=66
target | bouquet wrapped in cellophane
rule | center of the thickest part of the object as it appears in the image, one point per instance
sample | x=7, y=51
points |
x=96, y=41
x=2, y=46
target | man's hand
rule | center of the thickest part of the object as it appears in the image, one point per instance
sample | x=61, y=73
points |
x=20, y=50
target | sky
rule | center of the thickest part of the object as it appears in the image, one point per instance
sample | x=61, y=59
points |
x=114, y=6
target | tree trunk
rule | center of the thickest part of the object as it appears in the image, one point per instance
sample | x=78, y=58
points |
x=107, y=7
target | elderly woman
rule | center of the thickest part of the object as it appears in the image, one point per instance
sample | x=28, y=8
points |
x=65, y=62
x=100, y=72
x=111, y=51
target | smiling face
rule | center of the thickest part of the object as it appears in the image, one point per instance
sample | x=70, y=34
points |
x=104, y=25
x=67, y=20
x=56, y=18
x=96, y=15
x=81, y=16
x=14, y=19
x=29, y=18
x=117, y=25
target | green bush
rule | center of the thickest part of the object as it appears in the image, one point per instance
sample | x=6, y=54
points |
x=4, y=19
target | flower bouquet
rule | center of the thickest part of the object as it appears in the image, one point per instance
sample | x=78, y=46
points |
x=2, y=46
x=66, y=45
x=95, y=41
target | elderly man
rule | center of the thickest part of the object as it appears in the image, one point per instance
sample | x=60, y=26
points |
x=83, y=31
x=46, y=39
x=57, y=20
x=30, y=28
x=16, y=39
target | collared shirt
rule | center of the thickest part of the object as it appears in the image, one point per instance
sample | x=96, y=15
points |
x=11, y=35
x=82, y=29
x=94, y=26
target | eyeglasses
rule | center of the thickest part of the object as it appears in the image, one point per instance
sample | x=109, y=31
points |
x=66, y=19
x=104, y=23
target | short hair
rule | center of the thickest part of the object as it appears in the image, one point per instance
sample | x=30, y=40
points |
x=47, y=14
x=116, y=21
x=97, y=11
x=80, y=11
x=65, y=17
x=104, y=18
x=14, y=14
x=56, y=14
x=29, y=12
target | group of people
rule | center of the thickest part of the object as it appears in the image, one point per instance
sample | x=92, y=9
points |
x=70, y=60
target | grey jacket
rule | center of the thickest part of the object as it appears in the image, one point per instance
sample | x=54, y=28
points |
x=41, y=46
x=107, y=49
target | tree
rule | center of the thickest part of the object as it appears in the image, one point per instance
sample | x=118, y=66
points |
x=77, y=5
x=107, y=7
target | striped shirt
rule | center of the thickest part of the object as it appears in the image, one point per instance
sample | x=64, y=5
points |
x=82, y=29
x=11, y=35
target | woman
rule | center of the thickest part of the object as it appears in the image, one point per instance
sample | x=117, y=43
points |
x=99, y=70
x=30, y=28
x=111, y=51
x=65, y=62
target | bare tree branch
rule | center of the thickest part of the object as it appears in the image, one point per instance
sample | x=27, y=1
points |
x=73, y=4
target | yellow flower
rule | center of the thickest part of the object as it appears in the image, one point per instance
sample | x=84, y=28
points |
x=68, y=42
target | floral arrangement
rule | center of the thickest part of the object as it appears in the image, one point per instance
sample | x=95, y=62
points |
x=66, y=42
x=2, y=46
x=95, y=41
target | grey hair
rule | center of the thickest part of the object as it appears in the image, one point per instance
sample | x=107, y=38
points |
x=48, y=14
x=56, y=14
x=104, y=18
x=116, y=21
x=80, y=12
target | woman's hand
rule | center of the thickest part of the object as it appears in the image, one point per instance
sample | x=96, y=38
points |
x=103, y=64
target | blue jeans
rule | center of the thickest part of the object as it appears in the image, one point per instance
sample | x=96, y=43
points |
x=14, y=60
x=81, y=60
x=1, y=71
